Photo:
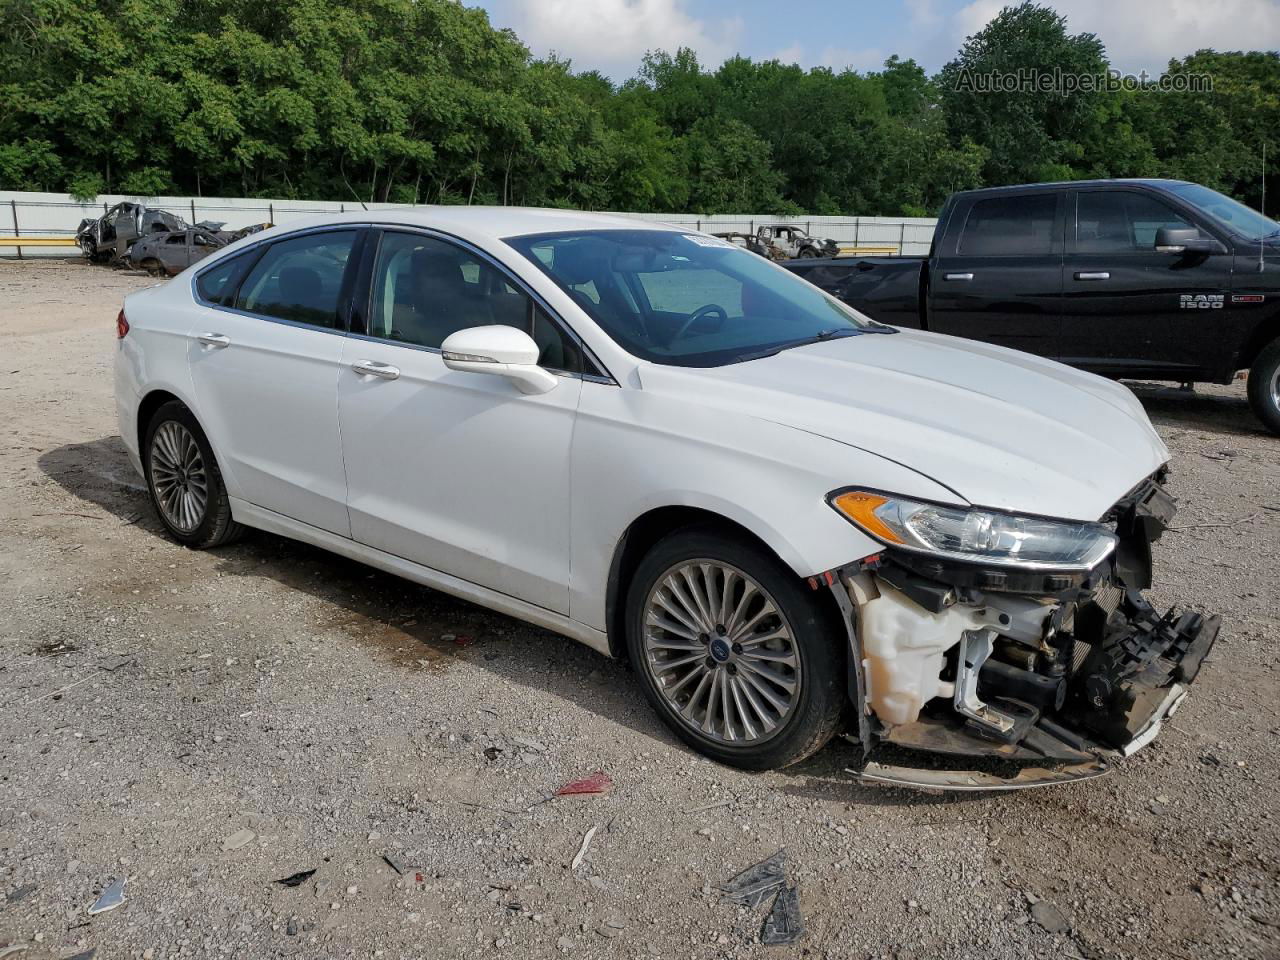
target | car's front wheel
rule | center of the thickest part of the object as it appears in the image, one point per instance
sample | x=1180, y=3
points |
x=1264, y=386
x=740, y=659
x=184, y=480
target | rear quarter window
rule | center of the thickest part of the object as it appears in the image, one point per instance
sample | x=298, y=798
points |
x=218, y=283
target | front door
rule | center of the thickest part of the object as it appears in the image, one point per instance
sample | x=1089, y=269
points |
x=265, y=369
x=1129, y=309
x=997, y=274
x=460, y=472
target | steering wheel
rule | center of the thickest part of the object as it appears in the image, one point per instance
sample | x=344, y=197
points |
x=709, y=310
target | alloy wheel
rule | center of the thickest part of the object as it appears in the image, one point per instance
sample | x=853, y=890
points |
x=178, y=476
x=721, y=653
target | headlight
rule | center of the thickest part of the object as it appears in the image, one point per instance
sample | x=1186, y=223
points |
x=981, y=536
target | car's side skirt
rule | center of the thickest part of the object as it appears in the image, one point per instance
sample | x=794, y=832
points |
x=260, y=519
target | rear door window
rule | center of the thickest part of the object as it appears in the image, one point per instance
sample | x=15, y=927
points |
x=299, y=279
x=1010, y=227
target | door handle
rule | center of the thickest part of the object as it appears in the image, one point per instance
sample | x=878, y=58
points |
x=957, y=276
x=1101, y=275
x=372, y=368
x=215, y=340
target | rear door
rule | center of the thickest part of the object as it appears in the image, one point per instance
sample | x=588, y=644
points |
x=1130, y=310
x=997, y=273
x=264, y=358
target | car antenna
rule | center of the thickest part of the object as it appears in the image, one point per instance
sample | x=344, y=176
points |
x=1262, y=265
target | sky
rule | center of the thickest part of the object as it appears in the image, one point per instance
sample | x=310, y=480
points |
x=612, y=35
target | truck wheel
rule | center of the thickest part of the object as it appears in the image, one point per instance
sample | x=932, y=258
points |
x=153, y=267
x=1264, y=386
x=808, y=253
x=740, y=660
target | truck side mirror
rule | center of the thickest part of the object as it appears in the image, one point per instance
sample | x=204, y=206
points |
x=1178, y=240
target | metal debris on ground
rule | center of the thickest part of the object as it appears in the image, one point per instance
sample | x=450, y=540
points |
x=238, y=839
x=703, y=808
x=752, y=886
x=394, y=863
x=21, y=893
x=297, y=879
x=599, y=782
x=784, y=923
x=111, y=897
x=582, y=852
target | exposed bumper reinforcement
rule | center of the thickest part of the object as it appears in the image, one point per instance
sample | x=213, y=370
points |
x=976, y=780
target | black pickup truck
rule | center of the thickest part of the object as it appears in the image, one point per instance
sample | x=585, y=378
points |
x=1142, y=279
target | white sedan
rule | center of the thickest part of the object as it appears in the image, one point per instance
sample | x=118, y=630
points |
x=793, y=520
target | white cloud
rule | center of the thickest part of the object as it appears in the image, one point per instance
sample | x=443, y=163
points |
x=1146, y=34
x=612, y=35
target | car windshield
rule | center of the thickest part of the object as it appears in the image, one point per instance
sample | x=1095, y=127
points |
x=1230, y=213
x=687, y=299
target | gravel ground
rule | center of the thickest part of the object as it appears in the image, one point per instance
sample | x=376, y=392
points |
x=205, y=724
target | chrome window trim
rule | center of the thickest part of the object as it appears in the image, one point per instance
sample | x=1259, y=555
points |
x=258, y=248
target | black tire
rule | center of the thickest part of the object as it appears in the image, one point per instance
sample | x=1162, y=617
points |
x=215, y=526
x=819, y=640
x=808, y=253
x=154, y=267
x=1264, y=387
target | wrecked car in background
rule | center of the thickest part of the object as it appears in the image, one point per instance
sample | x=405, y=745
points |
x=748, y=241
x=936, y=545
x=109, y=237
x=168, y=254
x=795, y=243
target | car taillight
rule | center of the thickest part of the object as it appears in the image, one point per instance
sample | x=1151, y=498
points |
x=122, y=326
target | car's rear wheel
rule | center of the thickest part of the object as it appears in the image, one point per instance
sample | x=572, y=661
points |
x=736, y=655
x=153, y=267
x=1264, y=386
x=184, y=480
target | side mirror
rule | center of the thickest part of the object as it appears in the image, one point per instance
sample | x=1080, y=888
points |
x=500, y=350
x=1185, y=240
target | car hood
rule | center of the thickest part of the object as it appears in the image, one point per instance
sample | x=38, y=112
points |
x=1000, y=428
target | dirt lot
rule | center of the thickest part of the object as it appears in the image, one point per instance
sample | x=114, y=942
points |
x=158, y=701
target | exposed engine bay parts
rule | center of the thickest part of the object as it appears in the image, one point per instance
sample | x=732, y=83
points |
x=1056, y=666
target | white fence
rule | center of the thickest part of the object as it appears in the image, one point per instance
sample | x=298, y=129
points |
x=56, y=214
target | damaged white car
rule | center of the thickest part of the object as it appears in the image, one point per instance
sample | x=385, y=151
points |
x=794, y=521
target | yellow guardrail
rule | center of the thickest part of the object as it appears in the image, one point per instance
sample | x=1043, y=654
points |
x=33, y=241
x=866, y=251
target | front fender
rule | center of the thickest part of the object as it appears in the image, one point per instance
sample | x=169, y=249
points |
x=634, y=452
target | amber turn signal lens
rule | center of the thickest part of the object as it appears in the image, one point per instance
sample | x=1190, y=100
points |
x=861, y=509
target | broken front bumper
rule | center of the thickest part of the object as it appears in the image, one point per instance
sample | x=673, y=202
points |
x=1041, y=687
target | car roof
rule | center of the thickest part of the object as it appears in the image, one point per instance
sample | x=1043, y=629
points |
x=491, y=222
x=1059, y=184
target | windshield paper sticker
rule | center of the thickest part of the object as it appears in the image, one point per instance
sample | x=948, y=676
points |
x=708, y=241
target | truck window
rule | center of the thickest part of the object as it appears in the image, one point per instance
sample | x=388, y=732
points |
x=1010, y=227
x=1121, y=221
